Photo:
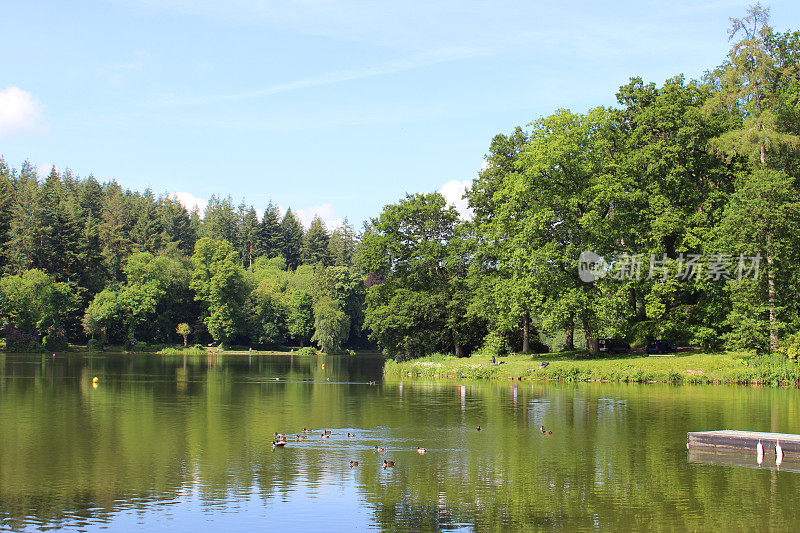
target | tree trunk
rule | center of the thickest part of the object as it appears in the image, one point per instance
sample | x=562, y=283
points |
x=569, y=340
x=185, y=342
x=526, y=333
x=632, y=300
x=459, y=351
x=591, y=343
x=773, y=333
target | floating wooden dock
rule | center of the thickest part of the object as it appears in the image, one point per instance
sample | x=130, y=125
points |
x=707, y=455
x=732, y=440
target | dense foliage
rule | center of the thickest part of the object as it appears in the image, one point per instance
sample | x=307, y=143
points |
x=686, y=194
x=84, y=260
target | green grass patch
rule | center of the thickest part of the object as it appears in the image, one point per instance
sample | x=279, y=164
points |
x=191, y=350
x=687, y=367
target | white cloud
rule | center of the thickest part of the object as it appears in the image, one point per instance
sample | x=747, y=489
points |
x=19, y=113
x=453, y=191
x=190, y=202
x=43, y=168
x=325, y=212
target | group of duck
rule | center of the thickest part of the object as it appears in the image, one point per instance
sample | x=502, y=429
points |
x=280, y=439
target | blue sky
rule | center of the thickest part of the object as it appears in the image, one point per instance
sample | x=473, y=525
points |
x=327, y=106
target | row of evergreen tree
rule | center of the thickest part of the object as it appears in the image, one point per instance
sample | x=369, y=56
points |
x=82, y=233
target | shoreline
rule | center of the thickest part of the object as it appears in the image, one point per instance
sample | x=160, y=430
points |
x=692, y=368
x=174, y=350
x=683, y=368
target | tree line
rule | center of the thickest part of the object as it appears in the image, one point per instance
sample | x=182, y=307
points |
x=87, y=260
x=684, y=196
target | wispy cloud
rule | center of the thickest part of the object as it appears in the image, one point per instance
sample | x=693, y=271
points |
x=116, y=72
x=20, y=113
x=134, y=64
x=401, y=25
x=411, y=62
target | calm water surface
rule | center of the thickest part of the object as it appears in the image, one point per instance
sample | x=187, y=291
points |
x=178, y=443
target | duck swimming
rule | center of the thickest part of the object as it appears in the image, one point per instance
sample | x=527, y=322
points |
x=387, y=464
x=421, y=451
x=379, y=449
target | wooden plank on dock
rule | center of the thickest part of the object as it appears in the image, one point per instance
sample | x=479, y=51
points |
x=728, y=439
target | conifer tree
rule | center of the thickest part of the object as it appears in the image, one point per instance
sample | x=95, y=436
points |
x=147, y=231
x=292, y=233
x=176, y=225
x=88, y=211
x=6, y=203
x=219, y=222
x=57, y=250
x=270, y=235
x=24, y=221
x=315, y=243
x=115, y=230
x=248, y=236
x=747, y=85
x=342, y=245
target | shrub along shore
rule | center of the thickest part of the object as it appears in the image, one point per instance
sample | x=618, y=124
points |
x=161, y=349
x=689, y=368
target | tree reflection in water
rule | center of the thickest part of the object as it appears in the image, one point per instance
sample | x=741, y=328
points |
x=165, y=441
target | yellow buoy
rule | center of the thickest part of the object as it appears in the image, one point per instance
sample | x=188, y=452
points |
x=95, y=379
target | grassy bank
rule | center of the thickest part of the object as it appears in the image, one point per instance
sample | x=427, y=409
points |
x=189, y=350
x=162, y=349
x=690, y=367
x=177, y=349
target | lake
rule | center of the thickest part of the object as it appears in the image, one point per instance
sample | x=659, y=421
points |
x=183, y=443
